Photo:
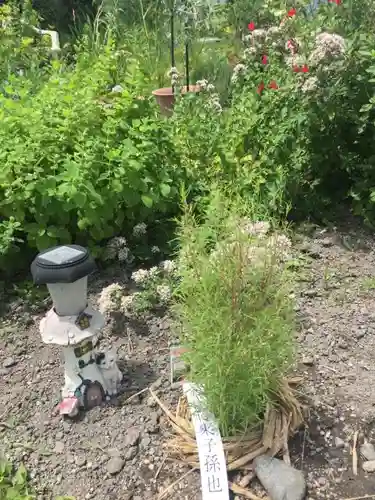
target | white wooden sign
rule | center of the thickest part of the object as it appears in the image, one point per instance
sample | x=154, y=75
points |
x=212, y=461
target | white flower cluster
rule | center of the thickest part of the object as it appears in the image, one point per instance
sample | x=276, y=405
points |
x=173, y=74
x=143, y=276
x=205, y=86
x=280, y=246
x=164, y=293
x=328, y=46
x=215, y=104
x=110, y=298
x=168, y=266
x=117, y=249
x=238, y=70
x=127, y=302
x=260, y=248
x=139, y=229
x=310, y=85
x=258, y=229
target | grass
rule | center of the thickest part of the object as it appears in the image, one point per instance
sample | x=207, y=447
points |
x=236, y=314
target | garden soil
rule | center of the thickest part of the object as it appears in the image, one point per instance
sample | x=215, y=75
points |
x=116, y=451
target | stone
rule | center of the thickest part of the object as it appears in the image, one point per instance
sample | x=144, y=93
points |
x=9, y=362
x=339, y=443
x=132, y=436
x=80, y=460
x=115, y=465
x=281, y=481
x=59, y=447
x=369, y=466
x=114, y=452
x=131, y=453
x=308, y=360
x=367, y=450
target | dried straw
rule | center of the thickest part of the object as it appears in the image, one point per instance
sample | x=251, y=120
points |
x=283, y=416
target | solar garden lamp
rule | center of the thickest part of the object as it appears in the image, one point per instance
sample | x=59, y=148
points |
x=91, y=376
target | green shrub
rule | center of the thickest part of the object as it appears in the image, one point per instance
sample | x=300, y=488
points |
x=81, y=163
x=13, y=483
x=234, y=306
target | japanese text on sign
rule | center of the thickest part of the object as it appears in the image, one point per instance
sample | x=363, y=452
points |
x=210, y=447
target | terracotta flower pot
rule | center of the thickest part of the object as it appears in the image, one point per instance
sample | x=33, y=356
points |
x=165, y=97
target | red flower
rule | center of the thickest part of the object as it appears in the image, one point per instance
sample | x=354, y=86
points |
x=337, y=2
x=264, y=59
x=251, y=26
x=305, y=68
x=273, y=85
x=292, y=12
x=296, y=69
x=260, y=88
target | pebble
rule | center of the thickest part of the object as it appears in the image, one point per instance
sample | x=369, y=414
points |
x=59, y=447
x=308, y=360
x=339, y=443
x=80, y=460
x=9, y=362
x=369, y=466
x=367, y=450
x=132, y=436
x=281, y=481
x=131, y=453
x=115, y=465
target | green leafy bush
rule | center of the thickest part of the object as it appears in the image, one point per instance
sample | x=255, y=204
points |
x=234, y=306
x=13, y=483
x=80, y=162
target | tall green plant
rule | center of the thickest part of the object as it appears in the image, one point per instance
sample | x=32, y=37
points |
x=234, y=306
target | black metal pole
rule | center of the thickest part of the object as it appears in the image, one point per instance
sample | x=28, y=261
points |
x=173, y=58
x=187, y=64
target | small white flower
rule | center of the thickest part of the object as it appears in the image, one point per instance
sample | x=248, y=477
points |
x=110, y=298
x=140, y=277
x=239, y=69
x=202, y=84
x=126, y=303
x=117, y=242
x=164, y=293
x=153, y=272
x=249, y=53
x=280, y=245
x=310, y=85
x=155, y=249
x=139, y=229
x=168, y=266
x=210, y=87
x=256, y=229
x=124, y=255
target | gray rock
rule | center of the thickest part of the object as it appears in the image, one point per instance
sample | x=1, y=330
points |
x=281, y=481
x=369, y=466
x=132, y=436
x=59, y=447
x=339, y=443
x=80, y=460
x=367, y=450
x=115, y=465
x=308, y=360
x=131, y=453
x=9, y=362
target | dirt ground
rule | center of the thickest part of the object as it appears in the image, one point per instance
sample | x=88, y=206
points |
x=116, y=452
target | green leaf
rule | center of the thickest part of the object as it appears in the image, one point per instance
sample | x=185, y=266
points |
x=165, y=189
x=147, y=201
x=79, y=199
x=20, y=476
